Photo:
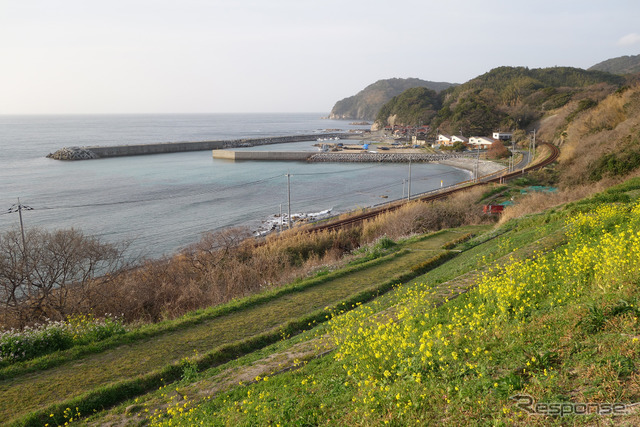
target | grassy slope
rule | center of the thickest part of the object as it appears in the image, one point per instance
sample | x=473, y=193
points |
x=479, y=253
x=576, y=342
x=30, y=391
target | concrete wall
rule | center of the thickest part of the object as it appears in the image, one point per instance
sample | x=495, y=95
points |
x=262, y=155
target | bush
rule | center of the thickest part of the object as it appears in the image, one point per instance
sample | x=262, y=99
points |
x=616, y=164
x=39, y=340
x=583, y=105
x=51, y=275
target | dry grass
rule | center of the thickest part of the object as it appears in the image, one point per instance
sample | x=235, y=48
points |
x=538, y=202
x=596, y=132
x=423, y=217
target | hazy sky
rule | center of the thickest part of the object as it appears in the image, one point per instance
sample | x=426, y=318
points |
x=199, y=56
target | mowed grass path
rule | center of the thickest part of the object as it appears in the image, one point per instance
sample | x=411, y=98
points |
x=40, y=389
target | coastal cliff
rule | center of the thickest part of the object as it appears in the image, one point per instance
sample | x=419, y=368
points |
x=366, y=103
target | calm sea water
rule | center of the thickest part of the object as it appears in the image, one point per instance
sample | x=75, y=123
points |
x=161, y=203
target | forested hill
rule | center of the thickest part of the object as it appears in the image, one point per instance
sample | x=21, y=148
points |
x=505, y=97
x=415, y=106
x=366, y=103
x=619, y=65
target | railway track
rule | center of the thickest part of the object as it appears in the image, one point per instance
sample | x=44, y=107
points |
x=392, y=206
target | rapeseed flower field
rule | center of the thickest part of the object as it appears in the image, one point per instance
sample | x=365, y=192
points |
x=559, y=326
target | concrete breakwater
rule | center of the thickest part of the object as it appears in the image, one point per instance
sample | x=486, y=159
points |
x=100, y=152
x=467, y=162
x=262, y=155
x=341, y=157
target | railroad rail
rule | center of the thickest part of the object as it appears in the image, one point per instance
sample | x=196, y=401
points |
x=429, y=197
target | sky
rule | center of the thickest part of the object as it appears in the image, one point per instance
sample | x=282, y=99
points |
x=240, y=56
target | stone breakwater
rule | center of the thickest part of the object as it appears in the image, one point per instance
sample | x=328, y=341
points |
x=100, y=152
x=73, y=153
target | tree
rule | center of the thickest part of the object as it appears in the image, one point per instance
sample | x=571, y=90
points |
x=459, y=146
x=50, y=276
x=497, y=151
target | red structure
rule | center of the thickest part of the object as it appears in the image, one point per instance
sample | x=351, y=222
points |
x=492, y=209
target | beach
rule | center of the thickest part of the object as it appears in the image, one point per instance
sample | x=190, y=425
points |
x=485, y=167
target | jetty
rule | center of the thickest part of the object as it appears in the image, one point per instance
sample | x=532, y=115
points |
x=338, y=157
x=101, y=152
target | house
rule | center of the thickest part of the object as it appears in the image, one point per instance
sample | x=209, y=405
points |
x=480, y=142
x=444, y=139
x=502, y=136
x=418, y=141
x=462, y=139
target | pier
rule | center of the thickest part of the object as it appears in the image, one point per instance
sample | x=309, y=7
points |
x=101, y=152
x=263, y=155
x=342, y=157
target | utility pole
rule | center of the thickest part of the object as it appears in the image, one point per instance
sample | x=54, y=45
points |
x=534, y=144
x=529, y=157
x=19, y=208
x=281, y=222
x=409, y=185
x=477, y=161
x=288, y=175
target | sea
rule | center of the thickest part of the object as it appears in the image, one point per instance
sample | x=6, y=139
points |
x=160, y=204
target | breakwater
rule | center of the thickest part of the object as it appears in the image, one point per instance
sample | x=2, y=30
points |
x=99, y=152
x=342, y=157
x=262, y=155
x=459, y=160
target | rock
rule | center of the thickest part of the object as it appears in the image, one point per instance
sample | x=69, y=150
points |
x=73, y=153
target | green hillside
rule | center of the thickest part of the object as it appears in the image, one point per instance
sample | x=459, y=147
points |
x=507, y=98
x=416, y=106
x=366, y=103
x=620, y=65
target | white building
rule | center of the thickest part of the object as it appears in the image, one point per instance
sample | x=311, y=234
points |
x=502, y=136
